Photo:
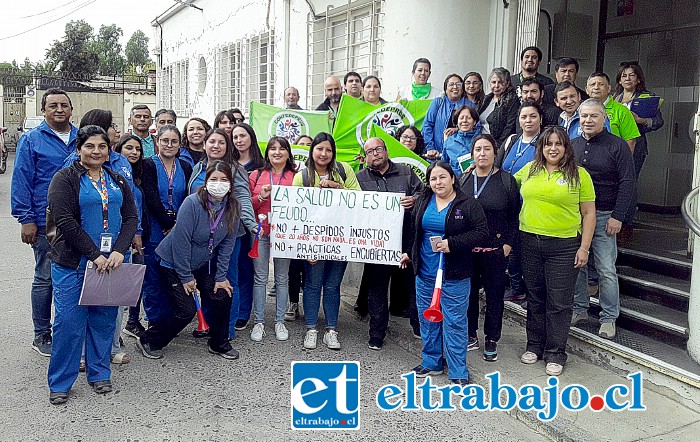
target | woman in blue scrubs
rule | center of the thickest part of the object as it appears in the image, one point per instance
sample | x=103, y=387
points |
x=91, y=217
x=444, y=211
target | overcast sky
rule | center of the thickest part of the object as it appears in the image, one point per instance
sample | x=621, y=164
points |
x=20, y=16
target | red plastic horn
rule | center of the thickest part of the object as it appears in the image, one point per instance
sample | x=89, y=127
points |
x=254, y=250
x=201, y=323
x=433, y=313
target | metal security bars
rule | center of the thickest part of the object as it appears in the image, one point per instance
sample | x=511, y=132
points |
x=174, y=86
x=348, y=38
x=245, y=72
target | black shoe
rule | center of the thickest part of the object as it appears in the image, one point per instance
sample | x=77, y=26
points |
x=58, y=397
x=240, y=325
x=101, y=387
x=375, y=344
x=490, y=351
x=422, y=372
x=462, y=383
x=230, y=354
x=200, y=334
x=147, y=351
x=42, y=344
x=134, y=329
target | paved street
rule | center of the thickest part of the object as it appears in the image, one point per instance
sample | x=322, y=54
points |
x=192, y=395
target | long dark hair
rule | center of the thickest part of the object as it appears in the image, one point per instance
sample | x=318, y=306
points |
x=641, y=86
x=97, y=117
x=137, y=167
x=333, y=166
x=221, y=115
x=481, y=95
x=231, y=207
x=228, y=156
x=256, y=158
x=185, y=141
x=487, y=137
x=568, y=165
x=284, y=144
x=427, y=190
x=420, y=142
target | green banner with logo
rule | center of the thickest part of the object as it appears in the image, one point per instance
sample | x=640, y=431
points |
x=270, y=121
x=355, y=120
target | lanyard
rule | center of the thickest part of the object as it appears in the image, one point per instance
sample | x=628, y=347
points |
x=520, y=150
x=213, y=223
x=280, y=180
x=478, y=191
x=171, y=179
x=102, y=190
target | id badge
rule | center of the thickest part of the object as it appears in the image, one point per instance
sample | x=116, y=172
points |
x=106, y=243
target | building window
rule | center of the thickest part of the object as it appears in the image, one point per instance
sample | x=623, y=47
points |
x=349, y=38
x=202, y=75
x=174, y=87
x=228, y=77
x=260, y=70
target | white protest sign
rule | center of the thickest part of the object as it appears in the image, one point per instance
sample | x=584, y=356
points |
x=336, y=224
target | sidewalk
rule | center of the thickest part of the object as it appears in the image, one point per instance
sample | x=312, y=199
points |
x=663, y=420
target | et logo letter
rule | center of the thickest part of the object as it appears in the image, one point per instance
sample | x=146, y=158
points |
x=325, y=395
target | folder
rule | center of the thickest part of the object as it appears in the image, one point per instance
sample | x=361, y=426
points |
x=120, y=287
x=646, y=106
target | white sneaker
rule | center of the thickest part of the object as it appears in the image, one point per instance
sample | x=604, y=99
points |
x=331, y=340
x=310, y=338
x=258, y=332
x=281, y=332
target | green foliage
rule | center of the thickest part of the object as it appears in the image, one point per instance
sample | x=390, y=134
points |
x=76, y=52
x=112, y=62
x=137, y=49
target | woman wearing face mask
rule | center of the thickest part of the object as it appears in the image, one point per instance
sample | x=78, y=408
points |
x=420, y=89
x=164, y=184
x=500, y=108
x=497, y=193
x=91, y=216
x=439, y=114
x=218, y=146
x=444, y=211
x=194, y=261
x=323, y=170
x=130, y=146
x=466, y=120
x=279, y=170
x=193, y=144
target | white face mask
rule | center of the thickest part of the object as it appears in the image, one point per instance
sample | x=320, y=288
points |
x=218, y=189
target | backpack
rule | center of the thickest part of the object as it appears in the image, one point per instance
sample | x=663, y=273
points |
x=305, y=175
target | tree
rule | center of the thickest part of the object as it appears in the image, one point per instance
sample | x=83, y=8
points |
x=76, y=51
x=137, y=49
x=108, y=48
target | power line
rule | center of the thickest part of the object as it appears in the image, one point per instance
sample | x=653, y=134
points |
x=50, y=10
x=49, y=22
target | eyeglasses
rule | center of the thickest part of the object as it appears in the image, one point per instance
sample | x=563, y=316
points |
x=377, y=150
x=454, y=83
x=409, y=137
x=115, y=126
x=238, y=120
x=166, y=142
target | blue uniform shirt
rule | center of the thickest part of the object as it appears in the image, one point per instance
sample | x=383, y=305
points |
x=179, y=194
x=519, y=154
x=198, y=181
x=433, y=223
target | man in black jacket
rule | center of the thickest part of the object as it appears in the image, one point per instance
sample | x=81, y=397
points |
x=530, y=59
x=383, y=175
x=608, y=160
x=531, y=89
x=334, y=92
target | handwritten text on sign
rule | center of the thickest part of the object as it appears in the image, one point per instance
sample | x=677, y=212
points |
x=337, y=225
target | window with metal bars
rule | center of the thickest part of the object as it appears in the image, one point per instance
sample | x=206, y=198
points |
x=174, y=86
x=347, y=38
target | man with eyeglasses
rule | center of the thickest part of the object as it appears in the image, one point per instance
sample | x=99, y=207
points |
x=238, y=116
x=140, y=121
x=383, y=175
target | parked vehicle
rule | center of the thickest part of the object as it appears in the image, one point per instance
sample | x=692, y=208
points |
x=3, y=151
x=29, y=124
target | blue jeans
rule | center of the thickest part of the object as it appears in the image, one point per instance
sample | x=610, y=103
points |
x=74, y=325
x=448, y=337
x=323, y=276
x=232, y=276
x=550, y=276
x=153, y=294
x=604, y=251
x=262, y=270
x=245, y=279
x=42, y=289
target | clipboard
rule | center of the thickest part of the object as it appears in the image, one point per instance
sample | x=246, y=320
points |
x=646, y=107
x=120, y=287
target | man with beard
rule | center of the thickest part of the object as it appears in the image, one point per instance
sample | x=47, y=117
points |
x=530, y=59
x=333, y=91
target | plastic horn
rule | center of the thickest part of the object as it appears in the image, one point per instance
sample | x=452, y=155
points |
x=254, y=250
x=201, y=323
x=433, y=313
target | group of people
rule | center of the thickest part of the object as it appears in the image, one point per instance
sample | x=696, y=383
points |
x=550, y=183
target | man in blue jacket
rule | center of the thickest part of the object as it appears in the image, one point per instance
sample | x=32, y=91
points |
x=40, y=154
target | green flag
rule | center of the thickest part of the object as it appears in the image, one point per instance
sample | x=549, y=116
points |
x=400, y=153
x=353, y=124
x=271, y=121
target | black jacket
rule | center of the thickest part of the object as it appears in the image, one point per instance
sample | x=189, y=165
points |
x=465, y=228
x=151, y=196
x=502, y=120
x=69, y=242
